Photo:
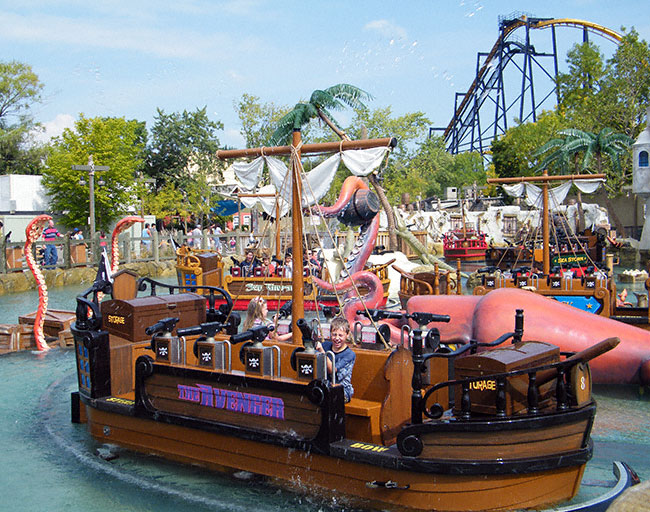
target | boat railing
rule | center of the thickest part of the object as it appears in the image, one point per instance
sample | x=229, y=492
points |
x=332, y=373
x=549, y=372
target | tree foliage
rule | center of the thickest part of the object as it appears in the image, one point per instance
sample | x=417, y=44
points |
x=320, y=105
x=258, y=120
x=114, y=142
x=513, y=153
x=181, y=145
x=20, y=88
x=594, y=94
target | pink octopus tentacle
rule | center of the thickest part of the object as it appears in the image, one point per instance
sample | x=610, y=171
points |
x=363, y=248
x=121, y=226
x=350, y=186
x=352, y=301
x=32, y=232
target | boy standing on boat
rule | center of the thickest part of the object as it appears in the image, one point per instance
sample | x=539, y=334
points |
x=344, y=355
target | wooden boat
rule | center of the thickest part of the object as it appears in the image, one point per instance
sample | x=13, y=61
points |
x=205, y=268
x=466, y=244
x=510, y=430
x=435, y=282
x=577, y=253
x=590, y=289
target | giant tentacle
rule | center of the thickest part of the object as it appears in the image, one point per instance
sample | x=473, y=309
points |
x=352, y=302
x=363, y=247
x=121, y=226
x=349, y=187
x=32, y=232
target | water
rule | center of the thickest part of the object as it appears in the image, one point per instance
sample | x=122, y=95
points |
x=50, y=463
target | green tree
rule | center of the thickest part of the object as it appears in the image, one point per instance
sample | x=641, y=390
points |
x=20, y=88
x=114, y=142
x=596, y=148
x=578, y=89
x=182, y=145
x=258, y=120
x=615, y=93
x=512, y=153
x=626, y=87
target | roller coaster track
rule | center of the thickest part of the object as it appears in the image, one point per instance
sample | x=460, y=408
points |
x=489, y=78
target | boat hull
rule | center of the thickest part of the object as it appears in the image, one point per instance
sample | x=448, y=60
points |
x=311, y=472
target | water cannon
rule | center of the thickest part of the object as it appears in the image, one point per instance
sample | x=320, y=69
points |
x=381, y=314
x=256, y=334
x=307, y=334
x=207, y=329
x=166, y=326
x=422, y=318
x=330, y=311
x=285, y=309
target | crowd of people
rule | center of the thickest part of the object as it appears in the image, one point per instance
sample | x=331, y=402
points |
x=252, y=266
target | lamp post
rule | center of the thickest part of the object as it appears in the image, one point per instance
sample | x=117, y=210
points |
x=91, y=168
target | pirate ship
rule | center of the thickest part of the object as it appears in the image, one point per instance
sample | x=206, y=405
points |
x=166, y=375
x=570, y=276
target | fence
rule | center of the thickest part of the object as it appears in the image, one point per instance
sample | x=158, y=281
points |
x=73, y=253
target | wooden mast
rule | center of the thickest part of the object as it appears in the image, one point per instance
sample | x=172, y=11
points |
x=544, y=180
x=297, y=279
x=297, y=308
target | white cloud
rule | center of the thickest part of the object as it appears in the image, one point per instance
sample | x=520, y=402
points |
x=386, y=29
x=120, y=35
x=53, y=128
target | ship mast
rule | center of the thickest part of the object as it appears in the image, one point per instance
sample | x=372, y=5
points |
x=545, y=179
x=297, y=150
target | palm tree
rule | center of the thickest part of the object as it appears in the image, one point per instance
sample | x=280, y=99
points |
x=592, y=146
x=319, y=106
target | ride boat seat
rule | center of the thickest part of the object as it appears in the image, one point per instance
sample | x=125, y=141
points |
x=365, y=409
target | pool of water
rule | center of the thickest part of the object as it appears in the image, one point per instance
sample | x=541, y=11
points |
x=52, y=464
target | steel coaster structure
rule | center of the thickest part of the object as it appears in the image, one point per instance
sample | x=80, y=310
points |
x=513, y=64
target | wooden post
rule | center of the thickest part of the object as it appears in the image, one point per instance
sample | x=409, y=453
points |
x=67, y=251
x=155, y=247
x=3, y=254
x=297, y=279
x=546, y=253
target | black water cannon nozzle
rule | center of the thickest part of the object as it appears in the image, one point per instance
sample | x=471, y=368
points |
x=380, y=314
x=330, y=311
x=164, y=325
x=285, y=309
x=257, y=334
x=208, y=329
x=307, y=334
x=422, y=318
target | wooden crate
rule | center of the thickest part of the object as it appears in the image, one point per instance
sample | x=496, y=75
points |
x=129, y=318
x=500, y=360
x=56, y=320
x=15, y=337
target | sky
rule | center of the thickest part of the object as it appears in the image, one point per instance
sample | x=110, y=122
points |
x=128, y=58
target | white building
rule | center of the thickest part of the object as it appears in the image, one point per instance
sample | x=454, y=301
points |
x=21, y=194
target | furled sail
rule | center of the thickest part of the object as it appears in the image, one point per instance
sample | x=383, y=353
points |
x=316, y=183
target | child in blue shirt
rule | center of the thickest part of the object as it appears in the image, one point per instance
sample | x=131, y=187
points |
x=344, y=355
